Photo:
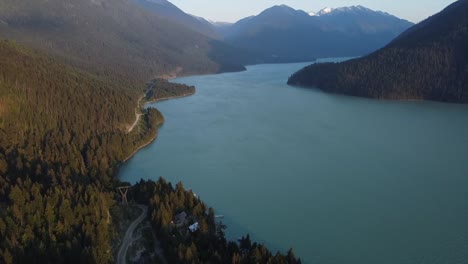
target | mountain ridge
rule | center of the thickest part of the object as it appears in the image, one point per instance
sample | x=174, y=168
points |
x=284, y=34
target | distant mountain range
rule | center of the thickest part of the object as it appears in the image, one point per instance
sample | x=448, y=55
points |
x=427, y=62
x=228, y=57
x=284, y=34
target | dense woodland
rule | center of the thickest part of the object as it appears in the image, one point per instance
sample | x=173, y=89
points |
x=206, y=245
x=62, y=134
x=428, y=62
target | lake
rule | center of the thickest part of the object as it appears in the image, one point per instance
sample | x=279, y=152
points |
x=342, y=180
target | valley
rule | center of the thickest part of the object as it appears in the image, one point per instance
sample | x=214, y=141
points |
x=272, y=173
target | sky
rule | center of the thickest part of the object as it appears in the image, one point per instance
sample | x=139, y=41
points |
x=233, y=10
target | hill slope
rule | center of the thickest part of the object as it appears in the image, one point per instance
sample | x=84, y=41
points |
x=285, y=34
x=108, y=35
x=166, y=9
x=61, y=135
x=427, y=62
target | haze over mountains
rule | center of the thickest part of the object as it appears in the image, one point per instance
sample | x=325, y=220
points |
x=427, y=62
x=282, y=33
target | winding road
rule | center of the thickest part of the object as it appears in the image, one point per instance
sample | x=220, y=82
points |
x=137, y=115
x=127, y=240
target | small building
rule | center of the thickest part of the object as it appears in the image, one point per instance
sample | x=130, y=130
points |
x=194, y=227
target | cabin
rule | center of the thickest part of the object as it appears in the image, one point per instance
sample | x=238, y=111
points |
x=194, y=227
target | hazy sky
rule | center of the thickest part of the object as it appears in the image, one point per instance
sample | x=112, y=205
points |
x=233, y=10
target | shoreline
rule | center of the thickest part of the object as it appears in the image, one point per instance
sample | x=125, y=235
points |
x=152, y=139
x=141, y=147
x=167, y=98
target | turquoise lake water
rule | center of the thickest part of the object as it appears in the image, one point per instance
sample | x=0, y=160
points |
x=342, y=180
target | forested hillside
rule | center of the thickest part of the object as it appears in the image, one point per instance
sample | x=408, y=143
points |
x=427, y=62
x=61, y=136
x=109, y=37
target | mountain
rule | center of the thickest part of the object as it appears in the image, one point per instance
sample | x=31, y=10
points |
x=166, y=9
x=284, y=34
x=362, y=20
x=116, y=36
x=427, y=62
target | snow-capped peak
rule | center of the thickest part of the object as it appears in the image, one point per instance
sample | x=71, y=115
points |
x=324, y=11
x=347, y=9
x=358, y=8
